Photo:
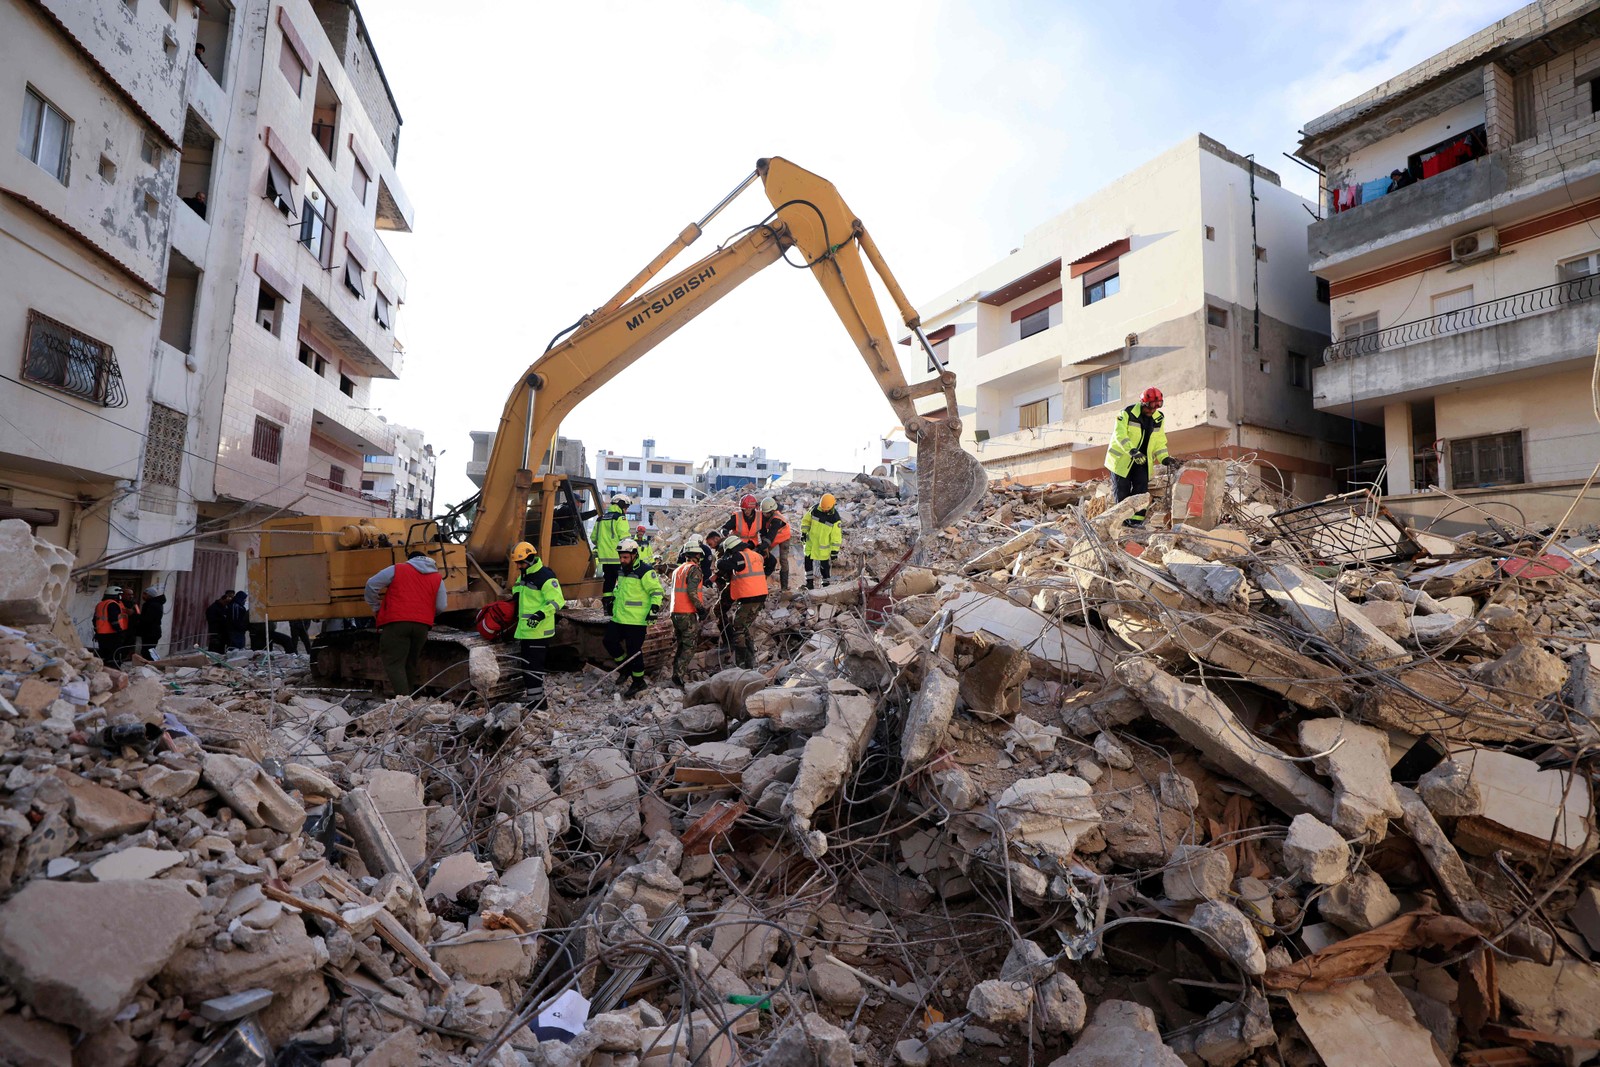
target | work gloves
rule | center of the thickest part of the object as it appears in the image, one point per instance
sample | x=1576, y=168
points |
x=605, y=602
x=536, y=618
x=651, y=612
x=1169, y=462
x=1139, y=457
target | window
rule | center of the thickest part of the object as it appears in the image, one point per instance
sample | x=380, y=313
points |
x=108, y=169
x=352, y=274
x=1261, y=253
x=656, y=468
x=151, y=206
x=1494, y=459
x=335, y=475
x=267, y=444
x=1211, y=233
x=163, y=459
x=280, y=187
x=1264, y=366
x=46, y=136
x=289, y=63
x=655, y=492
x=1582, y=267
x=1038, y=322
x=1104, y=387
x=1299, y=371
x=62, y=358
x=347, y=385
x=1354, y=328
x=613, y=464
x=941, y=354
x=325, y=116
x=1211, y=353
x=381, y=310
x=360, y=180
x=1324, y=291
x=761, y=466
x=310, y=357
x=677, y=494
x=633, y=465
x=1594, y=95
x=1451, y=307
x=1031, y=416
x=269, y=310
x=368, y=485
x=316, y=222
x=150, y=151
x=1102, y=282
x=1216, y=316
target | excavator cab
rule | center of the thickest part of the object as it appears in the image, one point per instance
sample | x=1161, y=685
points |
x=558, y=507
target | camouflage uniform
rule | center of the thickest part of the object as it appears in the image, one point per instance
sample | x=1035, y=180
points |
x=744, y=616
x=687, y=593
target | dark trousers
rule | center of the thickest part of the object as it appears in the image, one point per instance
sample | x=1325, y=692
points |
x=1137, y=481
x=532, y=651
x=400, y=648
x=608, y=575
x=625, y=644
x=217, y=642
x=824, y=565
x=299, y=633
x=110, y=646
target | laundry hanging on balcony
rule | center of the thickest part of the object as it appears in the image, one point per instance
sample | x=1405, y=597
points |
x=1370, y=191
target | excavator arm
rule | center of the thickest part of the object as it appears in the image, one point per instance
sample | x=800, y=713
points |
x=809, y=216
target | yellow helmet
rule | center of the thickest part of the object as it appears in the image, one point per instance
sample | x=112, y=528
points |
x=523, y=551
x=827, y=502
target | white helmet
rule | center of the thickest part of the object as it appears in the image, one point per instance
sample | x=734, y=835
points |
x=627, y=544
x=114, y=590
x=693, y=547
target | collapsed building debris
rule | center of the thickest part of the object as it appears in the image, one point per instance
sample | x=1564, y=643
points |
x=1181, y=794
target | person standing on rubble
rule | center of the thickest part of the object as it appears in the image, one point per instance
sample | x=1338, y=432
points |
x=745, y=523
x=239, y=620
x=1138, y=439
x=823, y=533
x=609, y=531
x=647, y=550
x=130, y=624
x=405, y=599
x=775, y=535
x=538, y=596
x=217, y=626
x=110, y=623
x=635, y=601
x=688, y=607
x=150, y=613
x=742, y=574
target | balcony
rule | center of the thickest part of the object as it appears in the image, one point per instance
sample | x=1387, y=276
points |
x=317, y=482
x=1537, y=330
x=1445, y=199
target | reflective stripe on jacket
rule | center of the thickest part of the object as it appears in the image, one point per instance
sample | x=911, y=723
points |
x=638, y=589
x=687, y=581
x=411, y=597
x=647, y=550
x=775, y=529
x=1129, y=438
x=745, y=529
x=107, y=622
x=749, y=578
x=823, y=533
x=608, y=532
x=536, y=591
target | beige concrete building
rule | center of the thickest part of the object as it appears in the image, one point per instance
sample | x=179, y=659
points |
x=404, y=479
x=567, y=456
x=98, y=413
x=1464, y=300
x=654, y=484
x=1187, y=274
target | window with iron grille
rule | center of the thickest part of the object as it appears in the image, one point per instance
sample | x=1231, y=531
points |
x=267, y=443
x=1494, y=459
x=163, y=460
x=62, y=358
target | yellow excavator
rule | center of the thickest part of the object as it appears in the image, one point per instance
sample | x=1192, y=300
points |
x=316, y=566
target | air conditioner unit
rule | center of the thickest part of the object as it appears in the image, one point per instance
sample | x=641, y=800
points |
x=1472, y=246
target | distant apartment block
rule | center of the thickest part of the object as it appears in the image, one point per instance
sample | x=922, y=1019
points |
x=1463, y=294
x=404, y=479
x=1166, y=277
x=717, y=473
x=567, y=456
x=653, y=484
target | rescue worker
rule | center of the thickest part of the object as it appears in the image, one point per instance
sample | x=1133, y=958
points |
x=745, y=524
x=150, y=612
x=239, y=620
x=635, y=600
x=130, y=623
x=647, y=551
x=537, y=595
x=823, y=534
x=712, y=543
x=775, y=535
x=217, y=622
x=405, y=598
x=741, y=572
x=1138, y=439
x=609, y=530
x=688, y=606
x=109, y=625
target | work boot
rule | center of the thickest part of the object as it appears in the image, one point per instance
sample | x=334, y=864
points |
x=811, y=583
x=635, y=687
x=677, y=679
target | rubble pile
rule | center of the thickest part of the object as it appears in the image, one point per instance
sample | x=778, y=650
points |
x=1050, y=787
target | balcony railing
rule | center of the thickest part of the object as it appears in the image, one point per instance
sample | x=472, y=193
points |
x=334, y=487
x=1488, y=313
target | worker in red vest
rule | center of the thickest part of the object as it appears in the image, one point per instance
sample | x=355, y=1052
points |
x=110, y=625
x=741, y=572
x=405, y=598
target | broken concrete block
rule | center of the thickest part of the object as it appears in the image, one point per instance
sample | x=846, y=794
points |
x=1315, y=852
x=398, y=797
x=1047, y=815
x=652, y=885
x=522, y=894
x=1390, y=616
x=1196, y=872
x=233, y=1006
x=1059, y=1005
x=1111, y=753
x=1524, y=675
x=251, y=792
x=76, y=952
x=828, y=758
x=101, y=813
x=724, y=757
x=605, y=796
x=1315, y=607
x=1454, y=879
x=742, y=942
x=1177, y=791
x=1234, y=1030
x=312, y=782
x=1006, y=551
x=957, y=790
x=991, y=686
x=1585, y=916
x=791, y=707
x=1121, y=1034
x=34, y=575
x=1205, y=722
x=815, y=1042
x=1360, y=903
x=35, y=1043
x=834, y=985
x=1218, y=584
x=912, y=1053
x=134, y=864
x=928, y=717
x=998, y=1002
x=485, y=956
x=1502, y=801
x=1356, y=757
x=1003, y=621
x=280, y=959
x=167, y=783
x=1358, y=1024
x=455, y=873
x=1560, y=999
x=1231, y=935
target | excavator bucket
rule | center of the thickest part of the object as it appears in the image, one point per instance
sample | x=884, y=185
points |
x=950, y=480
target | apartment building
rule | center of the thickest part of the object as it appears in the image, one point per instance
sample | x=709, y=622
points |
x=567, y=456
x=717, y=473
x=1463, y=294
x=654, y=484
x=403, y=479
x=98, y=424
x=1187, y=274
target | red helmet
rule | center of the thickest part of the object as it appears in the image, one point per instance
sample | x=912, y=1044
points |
x=1151, y=397
x=748, y=502
x=641, y=530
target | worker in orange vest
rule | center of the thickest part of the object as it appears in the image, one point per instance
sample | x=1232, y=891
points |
x=110, y=625
x=405, y=598
x=688, y=606
x=745, y=524
x=775, y=534
x=741, y=571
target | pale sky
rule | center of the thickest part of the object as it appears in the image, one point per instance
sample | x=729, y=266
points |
x=551, y=149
